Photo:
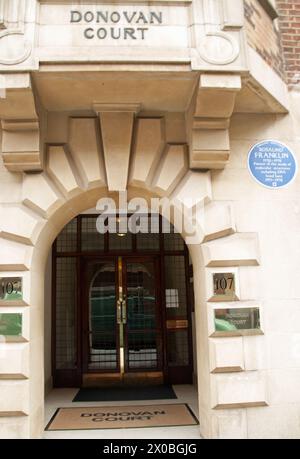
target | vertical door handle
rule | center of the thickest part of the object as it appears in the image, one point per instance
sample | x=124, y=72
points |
x=124, y=312
x=119, y=311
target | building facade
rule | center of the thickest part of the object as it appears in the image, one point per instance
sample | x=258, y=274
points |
x=158, y=99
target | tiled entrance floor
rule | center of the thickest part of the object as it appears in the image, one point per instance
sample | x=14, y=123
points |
x=59, y=398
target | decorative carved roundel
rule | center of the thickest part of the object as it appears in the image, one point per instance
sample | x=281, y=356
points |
x=218, y=48
x=14, y=48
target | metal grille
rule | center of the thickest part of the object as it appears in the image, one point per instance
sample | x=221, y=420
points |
x=172, y=241
x=148, y=238
x=103, y=354
x=142, y=350
x=90, y=238
x=141, y=296
x=141, y=318
x=178, y=348
x=120, y=242
x=66, y=313
x=102, y=320
x=175, y=284
x=67, y=239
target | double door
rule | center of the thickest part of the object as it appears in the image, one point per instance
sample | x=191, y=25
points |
x=122, y=339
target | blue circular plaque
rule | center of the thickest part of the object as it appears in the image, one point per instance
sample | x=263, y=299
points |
x=272, y=164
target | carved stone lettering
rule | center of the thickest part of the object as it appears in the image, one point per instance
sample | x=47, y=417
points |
x=118, y=21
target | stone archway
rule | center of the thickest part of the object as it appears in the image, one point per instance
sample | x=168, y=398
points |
x=76, y=175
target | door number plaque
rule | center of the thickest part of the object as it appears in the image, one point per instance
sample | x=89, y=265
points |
x=11, y=289
x=224, y=287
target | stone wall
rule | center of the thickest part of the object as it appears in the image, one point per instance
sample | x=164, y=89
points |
x=274, y=216
x=263, y=34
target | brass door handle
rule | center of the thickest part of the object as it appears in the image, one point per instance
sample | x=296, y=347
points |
x=119, y=311
x=124, y=312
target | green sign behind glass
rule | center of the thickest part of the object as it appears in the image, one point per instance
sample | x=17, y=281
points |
x=230, y=320
x=11, y=289
x=10, y=324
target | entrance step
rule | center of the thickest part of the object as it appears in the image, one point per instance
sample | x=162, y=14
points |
x=117, y=380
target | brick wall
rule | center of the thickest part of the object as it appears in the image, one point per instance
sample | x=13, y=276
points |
x=289, y=21
x=263, y=34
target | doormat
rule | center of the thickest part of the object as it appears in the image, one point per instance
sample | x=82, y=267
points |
x=122, y=417
x=130, y=393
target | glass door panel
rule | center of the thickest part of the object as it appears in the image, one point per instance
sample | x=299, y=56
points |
x=124, y=329
x=103, y=339
x=142, y=324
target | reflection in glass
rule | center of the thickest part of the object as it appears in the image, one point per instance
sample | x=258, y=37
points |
x=229, y=320
x=141, y=316
x=10, y=324
x=102, y=318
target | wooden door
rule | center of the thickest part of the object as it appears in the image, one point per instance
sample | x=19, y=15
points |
x=122, y=339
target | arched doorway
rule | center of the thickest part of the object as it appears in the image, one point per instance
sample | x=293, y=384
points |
x=122, y=305
x=76, y=175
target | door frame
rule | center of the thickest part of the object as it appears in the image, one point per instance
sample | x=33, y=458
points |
x=85, y=307
x=73, y=377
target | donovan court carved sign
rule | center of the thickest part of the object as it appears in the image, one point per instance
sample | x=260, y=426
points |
x=110, y=24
